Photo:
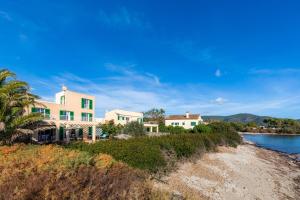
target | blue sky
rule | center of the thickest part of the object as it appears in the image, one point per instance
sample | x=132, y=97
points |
x=215, y=57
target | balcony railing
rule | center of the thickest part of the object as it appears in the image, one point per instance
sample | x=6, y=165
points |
x=66, y=117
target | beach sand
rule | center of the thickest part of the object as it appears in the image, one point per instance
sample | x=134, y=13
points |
x=245, y=172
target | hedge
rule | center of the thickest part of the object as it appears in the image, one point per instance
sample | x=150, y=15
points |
x=147, y=152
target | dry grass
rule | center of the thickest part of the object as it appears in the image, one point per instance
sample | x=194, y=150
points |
x=51, y=172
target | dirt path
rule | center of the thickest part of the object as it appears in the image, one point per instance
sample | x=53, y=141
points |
x=246, y=172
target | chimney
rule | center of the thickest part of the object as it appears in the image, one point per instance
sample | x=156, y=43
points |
x=64, y=88
x=187, y=115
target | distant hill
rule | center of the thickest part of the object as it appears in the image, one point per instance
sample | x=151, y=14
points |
x=243, y=118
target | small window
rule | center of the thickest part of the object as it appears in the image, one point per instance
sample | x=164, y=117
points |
x=183, y=123
x=63, y=100
x=193, y=123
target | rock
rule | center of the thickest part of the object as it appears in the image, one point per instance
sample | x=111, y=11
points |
x=177, y=196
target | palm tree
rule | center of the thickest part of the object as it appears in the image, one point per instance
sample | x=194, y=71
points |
x=15, y=99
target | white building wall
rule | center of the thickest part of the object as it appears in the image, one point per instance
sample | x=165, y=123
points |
x=185, y=123
x=123, y=117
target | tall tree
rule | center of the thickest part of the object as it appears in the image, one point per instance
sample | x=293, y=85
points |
x=155, y=114
x=15, y=98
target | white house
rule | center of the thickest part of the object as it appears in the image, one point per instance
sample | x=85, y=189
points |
x=123, y=116
x=187, y=121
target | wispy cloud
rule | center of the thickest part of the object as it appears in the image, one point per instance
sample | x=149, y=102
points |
x=122, y=17
x=4, y=15
x=139, y=91
x=219, y=101
x=218, y=73
x=193, y=51
x=266, y=71
x=23, y=37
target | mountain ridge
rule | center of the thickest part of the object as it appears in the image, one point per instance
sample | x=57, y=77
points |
x=241, y=117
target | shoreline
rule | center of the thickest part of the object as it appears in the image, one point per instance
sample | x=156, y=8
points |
x=279, y=134
x=246, y=172
x=293, y=156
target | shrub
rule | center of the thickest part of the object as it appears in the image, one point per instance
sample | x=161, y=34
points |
x=172, y=129
x=52, y=172
x=134, y=128
x=110, y=128
x=202, y=128
x=146, y=152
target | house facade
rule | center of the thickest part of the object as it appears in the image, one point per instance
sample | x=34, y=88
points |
x=70, y=117
x=123, y=117
x=187, y=121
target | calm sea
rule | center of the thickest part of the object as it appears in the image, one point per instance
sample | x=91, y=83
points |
x=284, y=143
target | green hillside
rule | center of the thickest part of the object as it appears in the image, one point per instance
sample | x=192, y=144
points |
x=243, y=118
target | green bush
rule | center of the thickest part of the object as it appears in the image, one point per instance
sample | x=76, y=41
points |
x=146, y=152
x=172, y=129
x=111, y=128
x=202, y=128
x=134, y=128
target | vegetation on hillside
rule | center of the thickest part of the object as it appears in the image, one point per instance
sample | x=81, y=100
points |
x=52, y=172
x=148, y=153
x=15, y=97
x=259, y=124
x=237, y=118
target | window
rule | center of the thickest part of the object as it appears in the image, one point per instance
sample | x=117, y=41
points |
x=90, y=132
x=44, y=111
x=176, y=123
x=66, y=115
x=87, y=103
x=183, y=123
x=172, y=123
x=193, y=123
x=63, y=100
x=87, y=117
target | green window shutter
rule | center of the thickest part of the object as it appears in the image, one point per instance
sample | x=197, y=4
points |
x=72, y=116
x=47, y=111
x=193, y=123
x=61, y=113
x=82, y=116
x=82, y=102
x=91, y=117
x=61, y=133
x=80, y=134
x=91, y=104
x=90, y=131
x=33, y=110
x=118, y=117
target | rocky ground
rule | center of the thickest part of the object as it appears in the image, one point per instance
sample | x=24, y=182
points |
x=246, y=172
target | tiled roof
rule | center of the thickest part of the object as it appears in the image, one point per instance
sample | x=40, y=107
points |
x=182, y=117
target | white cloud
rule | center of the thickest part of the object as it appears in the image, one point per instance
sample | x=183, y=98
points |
x=282, y=71
x=219, y=100
x=218, y=73
x=140, y=91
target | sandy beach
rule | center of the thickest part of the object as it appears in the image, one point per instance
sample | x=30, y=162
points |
x=246, y=172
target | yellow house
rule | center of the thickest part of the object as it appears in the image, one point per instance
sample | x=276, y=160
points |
x=70, y=117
